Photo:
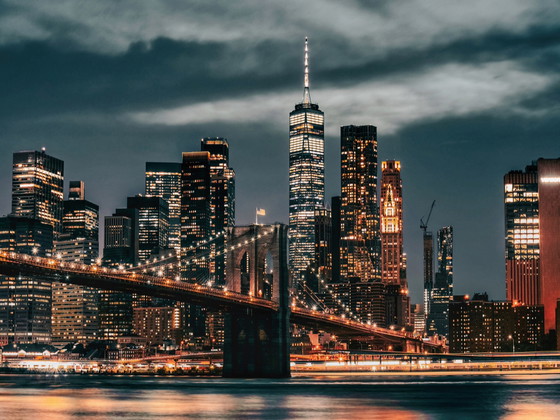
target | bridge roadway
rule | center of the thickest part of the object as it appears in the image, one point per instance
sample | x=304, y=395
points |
x=119, y=280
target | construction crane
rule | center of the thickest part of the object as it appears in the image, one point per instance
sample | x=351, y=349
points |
x=424, y=225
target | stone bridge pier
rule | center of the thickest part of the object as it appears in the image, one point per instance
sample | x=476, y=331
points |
x=257, y=342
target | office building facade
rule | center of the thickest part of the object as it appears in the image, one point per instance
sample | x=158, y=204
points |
x=120, y=249
x=163, y=179
x=322, y=268
x=532, y=224
x=37, y=187
x=222, y=204
x=359, y=217
x=393, y=260
x=153, y=224
x=306, y=177
x=195, y=216
x=480, y=325
x=25, y=302
x=392, y=264
x=75, y=308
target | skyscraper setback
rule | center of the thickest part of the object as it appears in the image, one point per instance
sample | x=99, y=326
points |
x=306, y=176
x=359, y=220
x=532, y=224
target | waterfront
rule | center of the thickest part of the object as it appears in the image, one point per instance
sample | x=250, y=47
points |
x=357, y=396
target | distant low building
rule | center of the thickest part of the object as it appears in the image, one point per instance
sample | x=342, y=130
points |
x=156, y=324
x=481, y=326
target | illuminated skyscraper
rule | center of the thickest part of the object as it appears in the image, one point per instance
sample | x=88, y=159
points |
x=532, y=222
x=428, y=240
x=74, y=308
x=36, y=220
x=195, y=216
x=163, y=179
x=392, y=224
x=323, y=250
x=81, y=217
x=153, y=224
x=121, y=247
x=307, y=176
x=25, y=302
x=196, y=226
x=37, y=187
x=359, y=236
x=222, y=202
x=335, y=238
x=393, y=261
x=442, y=291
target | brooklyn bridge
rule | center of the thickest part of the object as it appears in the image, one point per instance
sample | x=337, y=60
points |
x=257, y=324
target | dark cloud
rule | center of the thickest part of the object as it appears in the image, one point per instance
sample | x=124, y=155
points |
x=38, y=78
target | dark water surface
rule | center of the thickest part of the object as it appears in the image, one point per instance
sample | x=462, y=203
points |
x=43, y=397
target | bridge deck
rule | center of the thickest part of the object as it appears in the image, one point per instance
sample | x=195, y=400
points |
x=119, y=280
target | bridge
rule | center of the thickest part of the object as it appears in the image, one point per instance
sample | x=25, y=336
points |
x=257, y=332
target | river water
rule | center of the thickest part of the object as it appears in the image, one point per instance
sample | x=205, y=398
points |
x=358, y=396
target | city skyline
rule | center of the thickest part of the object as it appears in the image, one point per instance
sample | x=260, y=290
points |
x=72, y=128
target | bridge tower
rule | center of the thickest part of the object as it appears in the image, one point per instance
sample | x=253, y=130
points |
x=257, y=342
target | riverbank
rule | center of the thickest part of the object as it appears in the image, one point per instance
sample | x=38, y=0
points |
x=112, y=370
x=299, y=374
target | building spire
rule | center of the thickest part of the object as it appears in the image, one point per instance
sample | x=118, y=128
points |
x=306, y=95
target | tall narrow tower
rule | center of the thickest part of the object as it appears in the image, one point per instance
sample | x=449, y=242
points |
x=393, y=261
x=392, y=224
x=359, y=236
x=222, y=203
x=442, y=291
x=307, y=176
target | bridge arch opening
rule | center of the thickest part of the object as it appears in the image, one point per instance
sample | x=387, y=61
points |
x=267, y=278
x=245, y=271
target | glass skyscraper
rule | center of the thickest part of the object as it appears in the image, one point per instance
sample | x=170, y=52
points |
x=442, y=291
x=195, y=217
x=222, y=203
x=163, y=179
x=37, y=187
x=307, y=177
x=153, y=224
x=25, y=302
x=532, y=227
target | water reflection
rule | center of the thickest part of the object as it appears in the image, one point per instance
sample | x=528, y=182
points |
x=299, y=398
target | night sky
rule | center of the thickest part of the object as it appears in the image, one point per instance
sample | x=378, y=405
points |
x=461, y=93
